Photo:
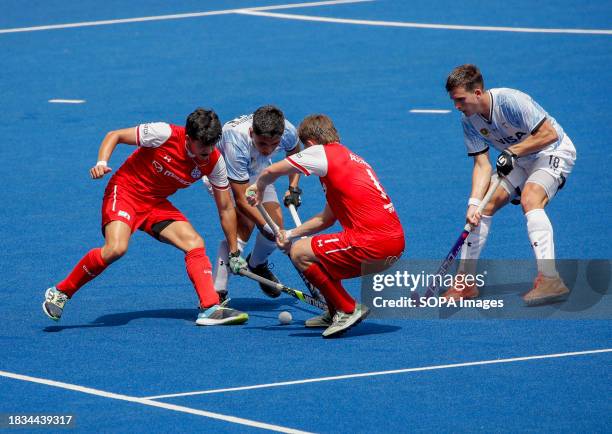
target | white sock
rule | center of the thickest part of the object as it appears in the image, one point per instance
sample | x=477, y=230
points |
x=263, y=248
x=474, y=243
x=221, y=273
x=540, y=233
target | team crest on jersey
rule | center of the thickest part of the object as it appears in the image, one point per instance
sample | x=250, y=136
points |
x=484, y=132
x=196, y=173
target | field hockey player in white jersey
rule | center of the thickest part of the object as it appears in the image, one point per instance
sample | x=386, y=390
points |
x=535, y=160
x=248, y=144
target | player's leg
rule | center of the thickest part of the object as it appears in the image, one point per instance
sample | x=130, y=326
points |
x=258, y=258
x=540, y=188
x=476, y=240
x=116, y=239
x=117, y=231
x=221, y=271
x=181, y=234
x=324, y=261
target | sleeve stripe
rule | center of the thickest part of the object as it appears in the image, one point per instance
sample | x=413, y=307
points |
x=138, y=135
x=219, y=188
x=297, y=166
x=473, y=154
x=538, y=125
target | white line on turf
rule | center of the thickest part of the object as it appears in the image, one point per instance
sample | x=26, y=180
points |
x=428, y=111
x=379, y=373
x=67, y=101
x=423, y=25
x=145, y=401
x=177, y=16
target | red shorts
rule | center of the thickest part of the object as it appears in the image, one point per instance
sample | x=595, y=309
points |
x=345, y=256
x=137, y=213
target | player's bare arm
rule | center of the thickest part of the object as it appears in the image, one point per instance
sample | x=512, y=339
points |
x=481, y=176
x=316, y=224
x=108, y=145
x=539, y=139
x=267, y=177
x=240, y=191
x=227, y=217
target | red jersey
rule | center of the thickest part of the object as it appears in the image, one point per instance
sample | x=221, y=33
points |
x=352, y=190
x=162, y=164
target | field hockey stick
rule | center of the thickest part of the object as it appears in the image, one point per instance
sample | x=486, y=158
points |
x=298, y=222
x=313, y=289
x=452, y=255
x=294, y=215
x=292, y=292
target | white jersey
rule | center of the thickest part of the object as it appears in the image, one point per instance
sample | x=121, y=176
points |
x=513, y=117
x=242, y=158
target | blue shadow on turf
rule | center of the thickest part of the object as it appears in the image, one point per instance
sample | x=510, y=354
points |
x=123, y=318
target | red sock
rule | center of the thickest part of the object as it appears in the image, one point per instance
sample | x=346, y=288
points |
x=88, y=267
x=199, y=270
x=336, y=296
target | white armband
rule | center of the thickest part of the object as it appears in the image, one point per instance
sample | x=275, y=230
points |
x=102, y=163
x=474, y=201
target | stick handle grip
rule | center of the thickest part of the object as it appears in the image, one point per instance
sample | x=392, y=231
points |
x=486, y=199
x=295, y=215
x=267, y=218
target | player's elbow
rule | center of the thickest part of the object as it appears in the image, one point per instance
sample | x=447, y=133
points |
x=112, y=135
x=327, y=221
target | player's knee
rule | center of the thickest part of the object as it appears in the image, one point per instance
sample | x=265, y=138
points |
x=533, y=197
x=496, y=202
x=114, y=250
x=193, y=241
x=530, y=202
x=489, y=209
x=294, y=254
x=299, y=256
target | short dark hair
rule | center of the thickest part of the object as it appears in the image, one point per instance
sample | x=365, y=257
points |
x=268, y=121
x=467, y=76
x=319, y=128
x=204, y=125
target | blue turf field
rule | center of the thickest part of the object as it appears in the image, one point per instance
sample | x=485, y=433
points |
x=131, y=331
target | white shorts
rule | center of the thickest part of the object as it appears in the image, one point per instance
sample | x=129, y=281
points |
x=549, y=170
x=269, y=193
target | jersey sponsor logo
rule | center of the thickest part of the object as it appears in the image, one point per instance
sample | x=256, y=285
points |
x=159, y=169
x=173, y=176
x=511, y=139
x=145, y=129
x=124, y=214
x=484, y=132
x=196, y=173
